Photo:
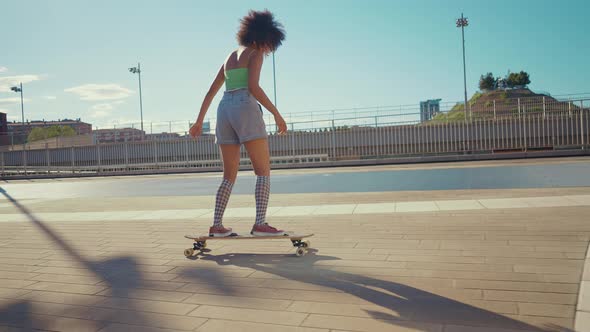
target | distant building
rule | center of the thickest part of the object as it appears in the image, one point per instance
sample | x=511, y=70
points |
x=117, y=135
x=4, y=138
x=428, y=109
x=206, y=127
x=18, y=128
x=162, y=137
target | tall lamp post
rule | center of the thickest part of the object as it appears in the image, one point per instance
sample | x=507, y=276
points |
x=462, y=22
x=22, y=107
x=137, y=70
x=22, y=110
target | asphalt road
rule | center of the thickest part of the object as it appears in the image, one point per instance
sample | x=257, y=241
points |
x=575, y=174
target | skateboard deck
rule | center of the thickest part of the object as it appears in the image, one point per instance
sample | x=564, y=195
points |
x=296, y=239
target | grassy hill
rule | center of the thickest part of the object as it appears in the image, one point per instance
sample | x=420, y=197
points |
x=503, y=102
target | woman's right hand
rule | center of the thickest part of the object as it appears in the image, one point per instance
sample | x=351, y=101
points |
x=196, y=129
x=281, y=124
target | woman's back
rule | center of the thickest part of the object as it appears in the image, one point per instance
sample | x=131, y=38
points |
x=236, y=69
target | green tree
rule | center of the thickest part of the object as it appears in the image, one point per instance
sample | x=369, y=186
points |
x=37, y=134
x=55, y=131
x=518, y=79
x=67, y=131
x=487, y=82
x=524, y=78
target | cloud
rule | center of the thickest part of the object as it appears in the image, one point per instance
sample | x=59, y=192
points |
x=100, y=114
x=11, y=117
x=12, y=100
x=7, y=82
x=103, y=107
x=101, y=110
x=3, y=69
x=100, y=91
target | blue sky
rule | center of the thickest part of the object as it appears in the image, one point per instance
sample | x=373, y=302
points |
x=73, y=55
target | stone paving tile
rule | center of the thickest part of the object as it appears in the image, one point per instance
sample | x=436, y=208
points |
x=518, y=286
x=335, y=209
x=576, y=271
x=63, y=298
x=148, y=294
x=216, y=325
x=367, y=324
x=64, y=278
x=454, y=205
x=161, y=307
x=504, y=203
x=579, y=199
x=582, y=321
x=554, y=323
x=340, y=309
x=22, y=275
x=66, y=288
x=238, y=301
x=464, y=328
x=415, y=207
x=175, y=322
x=547, y=310
x=16, y=283
x=116, y=327
x=535, y=297
x=249, y=315
x=376, y=208
x=13, y=293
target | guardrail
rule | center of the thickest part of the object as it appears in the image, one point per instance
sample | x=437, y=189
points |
x=561, y=126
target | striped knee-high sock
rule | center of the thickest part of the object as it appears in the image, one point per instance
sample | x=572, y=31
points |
x=221, y=200
x=262, y=193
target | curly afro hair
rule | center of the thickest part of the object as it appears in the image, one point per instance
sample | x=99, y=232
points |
x=259, y=30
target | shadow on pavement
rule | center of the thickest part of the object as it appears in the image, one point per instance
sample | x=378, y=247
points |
x=405, y=305
x=120, y=275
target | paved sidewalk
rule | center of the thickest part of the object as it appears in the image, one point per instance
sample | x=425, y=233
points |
x=511, y=263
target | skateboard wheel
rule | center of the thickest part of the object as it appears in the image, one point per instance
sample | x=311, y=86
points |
x=188, y=252
x=300, y=252
x=305, y=244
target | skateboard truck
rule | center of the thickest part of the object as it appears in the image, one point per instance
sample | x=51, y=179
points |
x=301, y=247
x=200, y=242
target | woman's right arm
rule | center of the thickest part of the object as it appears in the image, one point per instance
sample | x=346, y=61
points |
x=254, y=67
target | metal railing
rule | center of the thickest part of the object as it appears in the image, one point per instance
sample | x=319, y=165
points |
x=516, y=125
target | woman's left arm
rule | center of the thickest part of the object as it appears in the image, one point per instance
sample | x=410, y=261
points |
x=215, y=86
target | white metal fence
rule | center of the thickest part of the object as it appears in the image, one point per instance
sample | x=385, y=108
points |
x=516, y=126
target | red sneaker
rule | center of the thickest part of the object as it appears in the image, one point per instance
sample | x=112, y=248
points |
x=219, y=231
x=266, y=230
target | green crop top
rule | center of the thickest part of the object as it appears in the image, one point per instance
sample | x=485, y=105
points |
x=236, y=79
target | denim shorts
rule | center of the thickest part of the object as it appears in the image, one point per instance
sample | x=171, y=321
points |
x=239, y=118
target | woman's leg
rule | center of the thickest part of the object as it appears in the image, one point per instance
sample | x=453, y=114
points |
x=260, y=158
x=230, y=154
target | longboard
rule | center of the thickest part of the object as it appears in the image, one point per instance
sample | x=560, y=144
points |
x=296, y=239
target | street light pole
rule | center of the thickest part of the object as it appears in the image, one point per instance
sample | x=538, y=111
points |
x=137, y=70
x=22, y=105
x=22, y=110
x=462, y=23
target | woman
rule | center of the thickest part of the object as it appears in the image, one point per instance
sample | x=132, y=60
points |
x=239, y=118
